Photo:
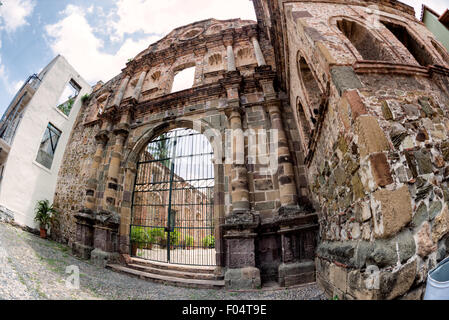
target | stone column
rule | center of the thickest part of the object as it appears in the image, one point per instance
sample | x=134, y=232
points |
x=239, y=175
x=121, y=91
x=102, y=138
x=258, y=51
x=107, y=220
x=110, y=193
x=286, y=175
x=239, y=227
x=85, y=218
x=295, y=225
x=231, y=58
x=138, y=88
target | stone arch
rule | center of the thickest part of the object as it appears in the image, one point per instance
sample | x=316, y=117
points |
x=311, y=88
x=365, y=42
x=214, y=136
x=202, y=126
x=303, y=124
x=441, y=51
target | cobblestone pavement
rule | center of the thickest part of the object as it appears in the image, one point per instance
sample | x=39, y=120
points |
x=33, y=268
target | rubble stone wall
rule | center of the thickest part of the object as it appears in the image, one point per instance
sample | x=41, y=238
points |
x=376, y=145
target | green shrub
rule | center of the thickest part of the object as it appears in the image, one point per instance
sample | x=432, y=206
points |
x=155, y=235
x=209, y=241
x=189, y=241
x=138, y=235
x=85, y=98
x=174, y=238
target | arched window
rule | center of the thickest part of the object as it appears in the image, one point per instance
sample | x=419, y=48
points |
x=368, y=46
x=416, y=49
x=303, y=125
x=312, y=89
x=442, y=51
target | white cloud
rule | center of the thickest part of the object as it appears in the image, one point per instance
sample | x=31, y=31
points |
x=13, y=14
x=18, y=85
x=83, y=49
x=161, y=17
x=11, y=87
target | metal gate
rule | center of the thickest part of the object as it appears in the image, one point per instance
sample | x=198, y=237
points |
x=173, y=200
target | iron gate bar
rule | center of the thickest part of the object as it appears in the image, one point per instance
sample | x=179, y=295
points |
x=190, y=187
x=170, y=193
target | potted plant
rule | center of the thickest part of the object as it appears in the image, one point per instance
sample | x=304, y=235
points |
x=137, y=239
x=45, y=215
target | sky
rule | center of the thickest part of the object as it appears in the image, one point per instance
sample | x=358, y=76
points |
x=98, y=37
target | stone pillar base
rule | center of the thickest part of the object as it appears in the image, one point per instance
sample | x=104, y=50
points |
x=243, y=278
x=101, y=258
x=81, y=251
x=83, y=244
x=296, y=273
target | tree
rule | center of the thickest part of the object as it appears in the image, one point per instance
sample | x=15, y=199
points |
x=162, y=149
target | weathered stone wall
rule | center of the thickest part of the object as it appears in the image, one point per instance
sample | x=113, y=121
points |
x=72, y=178
x=74, y=172
x=376, y=143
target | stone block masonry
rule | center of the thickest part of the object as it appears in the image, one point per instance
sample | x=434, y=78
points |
x=374, y=134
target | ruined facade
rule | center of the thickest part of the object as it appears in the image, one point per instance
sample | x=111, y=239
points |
x=263, y=225
x=357, y=93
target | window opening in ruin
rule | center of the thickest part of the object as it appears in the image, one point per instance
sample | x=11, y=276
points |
x=176, y=168
x=442, y=51
x=48, y=146
x=312, y=90
x=184, y=79
x=304, y=125
x=417, y=50
x=68, y=97
x=367, y=45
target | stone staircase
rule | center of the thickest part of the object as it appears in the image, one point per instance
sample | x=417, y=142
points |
x=178, y=275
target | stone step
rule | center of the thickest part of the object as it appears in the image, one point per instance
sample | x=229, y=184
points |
x=175, y=273
x=174, y=267
x=188, y=283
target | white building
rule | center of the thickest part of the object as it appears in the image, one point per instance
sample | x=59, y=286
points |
x=34, y=132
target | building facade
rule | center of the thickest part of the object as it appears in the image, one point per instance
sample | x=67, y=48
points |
x=438, y=25
x=34, y=132
x=349, y=103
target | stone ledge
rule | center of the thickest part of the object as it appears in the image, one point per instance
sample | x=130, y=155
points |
x=296, y=273
x=243, y=278
x=101, y=258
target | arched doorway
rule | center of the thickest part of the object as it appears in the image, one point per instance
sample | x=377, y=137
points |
x=173, y=200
